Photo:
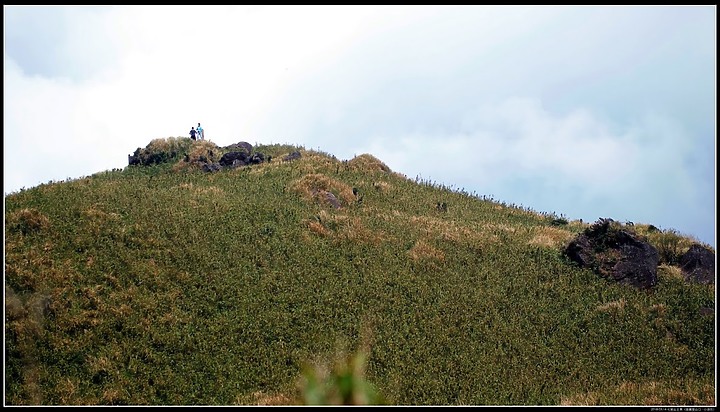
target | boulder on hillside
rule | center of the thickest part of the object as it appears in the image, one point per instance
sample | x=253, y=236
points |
x=240, y=146
x=234, y=159
x=698, y=264
x=257, y=158
x=292, y=156
x=615, y=253
x=330, y=198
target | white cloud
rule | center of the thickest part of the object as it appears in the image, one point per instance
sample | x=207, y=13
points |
x=517, y=137
x=37, y=124
x=570, y=164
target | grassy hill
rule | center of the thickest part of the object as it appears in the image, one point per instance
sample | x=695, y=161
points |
x=161, y=284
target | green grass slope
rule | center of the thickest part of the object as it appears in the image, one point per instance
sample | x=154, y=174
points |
x=166, y=285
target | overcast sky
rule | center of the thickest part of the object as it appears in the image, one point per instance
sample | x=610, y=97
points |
x=586, y=112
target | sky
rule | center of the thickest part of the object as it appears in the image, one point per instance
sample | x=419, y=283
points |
x=585, y=112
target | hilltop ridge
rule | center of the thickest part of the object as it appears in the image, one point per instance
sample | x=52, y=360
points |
x=256, y=275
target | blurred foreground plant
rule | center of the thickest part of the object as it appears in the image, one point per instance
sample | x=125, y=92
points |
x=344, y=384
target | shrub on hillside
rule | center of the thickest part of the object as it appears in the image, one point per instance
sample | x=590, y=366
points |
x=670, y=245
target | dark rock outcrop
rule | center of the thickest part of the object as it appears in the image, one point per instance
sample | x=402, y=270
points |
x=332, y=200
x=615, y=253
x=581, y=251
x=698, y=264
x=237, y=155
x=292, y=156
x=256, y=158
x=145, y=157
x=230, y=158
x=240, y=146
x=236, y=159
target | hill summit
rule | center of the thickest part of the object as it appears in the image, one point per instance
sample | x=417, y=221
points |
x=277, y=275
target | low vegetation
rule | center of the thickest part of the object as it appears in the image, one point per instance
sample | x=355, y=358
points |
x=162, y=284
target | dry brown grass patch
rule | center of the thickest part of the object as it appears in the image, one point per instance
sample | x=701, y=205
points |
x=367, y=163
x=37, y=268
x=582, y=399
x=266, y=399
x=550, y=237
x=310, y=162
x=612, y=307
x=185, y=186
x=342, y=227
x=112, y=396
x=27, y=220
x=445, y=229
x=392, y=216
x=578, y=225
x=97, y=215
x=99, y=364
x=451, y=231
x=33, y=393
x=317, y=228
x=98, y=221
x=659, y=309
x=400, y=176
x=164, y=144
x=382, y=187
x=315, y=186
x=514, y=210
x=670, y=272
x=265, y=167
x=67, y=390
x=14, y=308
x=200, y=152
x=424, y=251
x=664, y=393
x=209, y=190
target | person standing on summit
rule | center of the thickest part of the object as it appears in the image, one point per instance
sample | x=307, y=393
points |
x=193, y=133
x=200, y=132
